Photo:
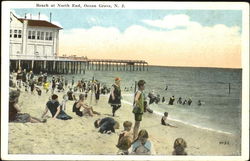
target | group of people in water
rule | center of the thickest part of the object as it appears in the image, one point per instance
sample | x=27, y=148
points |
x=130, y=141
x=153, y=98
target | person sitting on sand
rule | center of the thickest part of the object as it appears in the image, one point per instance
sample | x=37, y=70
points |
x=179, y=147
x=71, y=95
x=164, y=120
x=125, y=138
x=80, y=108
x=141, y=145
x=15, y=114
x=107, y=125
x=55, y=109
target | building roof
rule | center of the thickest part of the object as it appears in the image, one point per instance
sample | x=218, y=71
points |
x=39, y=23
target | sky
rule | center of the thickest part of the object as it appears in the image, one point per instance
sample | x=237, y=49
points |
x=196, y=38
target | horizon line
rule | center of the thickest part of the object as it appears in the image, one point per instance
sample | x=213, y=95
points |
x=194, y=67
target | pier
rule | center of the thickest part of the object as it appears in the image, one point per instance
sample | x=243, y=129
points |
x=35, y=46
x=75, y=65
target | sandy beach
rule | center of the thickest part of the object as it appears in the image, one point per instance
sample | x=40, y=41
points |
x=79, y=136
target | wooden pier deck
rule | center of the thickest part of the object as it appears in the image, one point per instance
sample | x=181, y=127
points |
x=76, y=65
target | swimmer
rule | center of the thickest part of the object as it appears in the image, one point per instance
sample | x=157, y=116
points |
x=171, y=100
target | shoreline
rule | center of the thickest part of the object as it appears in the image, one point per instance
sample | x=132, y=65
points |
x=183, y=122
x=78, y=136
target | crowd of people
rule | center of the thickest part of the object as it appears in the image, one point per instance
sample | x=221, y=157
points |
x=156, y=98
x=132, y=140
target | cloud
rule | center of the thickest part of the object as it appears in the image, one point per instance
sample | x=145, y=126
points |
x=215, y=46
x=93, y=21
x=172, y=21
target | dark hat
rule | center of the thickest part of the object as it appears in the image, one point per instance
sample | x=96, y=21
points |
x=141, y=82
x=54, y=96
x=13, y=94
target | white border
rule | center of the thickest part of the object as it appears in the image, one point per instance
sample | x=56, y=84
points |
x=7, y=5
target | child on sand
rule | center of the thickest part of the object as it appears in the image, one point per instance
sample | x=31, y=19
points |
x=107, y=125
x=141, y=145
x=46, y=86
x=179, y=147
x=63, y=104
x=125, y=138
x=164, y=119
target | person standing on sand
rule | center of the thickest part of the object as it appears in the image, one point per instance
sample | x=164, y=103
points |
x=97, y=91
x=53, y=84
x=72, y=81
x=32, y=86
x=138, y=109
x=24, y=79
x=19, y=77
x=115, y=96
x=30, y=76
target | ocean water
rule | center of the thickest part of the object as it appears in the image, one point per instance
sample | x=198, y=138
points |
x=220, y=112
